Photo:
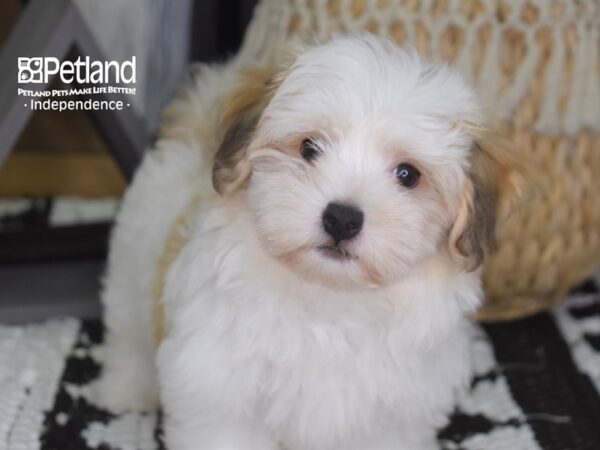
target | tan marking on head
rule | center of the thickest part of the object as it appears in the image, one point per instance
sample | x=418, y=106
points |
x=372, y=277
x=496, y=180
x=240, y=115
x=290, y=257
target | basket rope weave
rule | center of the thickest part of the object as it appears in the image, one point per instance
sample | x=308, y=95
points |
x=536, y=64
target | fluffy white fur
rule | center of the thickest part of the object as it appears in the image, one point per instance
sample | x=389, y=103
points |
x=270, y=344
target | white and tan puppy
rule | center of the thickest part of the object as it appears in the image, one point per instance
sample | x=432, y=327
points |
x=313, y=233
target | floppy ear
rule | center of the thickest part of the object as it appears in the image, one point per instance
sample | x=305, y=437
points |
x=239, y=117
x=496, y=180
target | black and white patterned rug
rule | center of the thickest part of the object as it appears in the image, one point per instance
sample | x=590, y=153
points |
x=536, y=386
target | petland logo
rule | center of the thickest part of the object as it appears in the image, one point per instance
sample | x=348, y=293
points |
x=40, y=70
x=108, y=81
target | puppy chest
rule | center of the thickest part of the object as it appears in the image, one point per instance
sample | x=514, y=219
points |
x=319, y=376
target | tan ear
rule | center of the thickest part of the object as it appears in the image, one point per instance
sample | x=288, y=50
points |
x=240, y=115
x=241, y=112
x=497, y=179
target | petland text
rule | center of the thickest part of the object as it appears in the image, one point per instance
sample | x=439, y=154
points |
x=81, y=71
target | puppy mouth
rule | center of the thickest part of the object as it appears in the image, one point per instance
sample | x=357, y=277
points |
x=334, y=252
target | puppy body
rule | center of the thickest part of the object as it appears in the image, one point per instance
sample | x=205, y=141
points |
x=256, y=357
x=273, y=339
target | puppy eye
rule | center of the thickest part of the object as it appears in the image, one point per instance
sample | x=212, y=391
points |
x=407, y=175
x=309, y=149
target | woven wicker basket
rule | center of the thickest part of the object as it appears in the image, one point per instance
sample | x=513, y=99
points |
x=537, y=65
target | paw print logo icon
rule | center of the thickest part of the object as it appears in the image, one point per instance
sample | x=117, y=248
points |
x=30, y=70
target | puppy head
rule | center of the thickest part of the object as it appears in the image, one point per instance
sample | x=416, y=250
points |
x=359, y=161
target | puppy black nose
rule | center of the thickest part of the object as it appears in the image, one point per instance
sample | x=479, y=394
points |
x=342, y=222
